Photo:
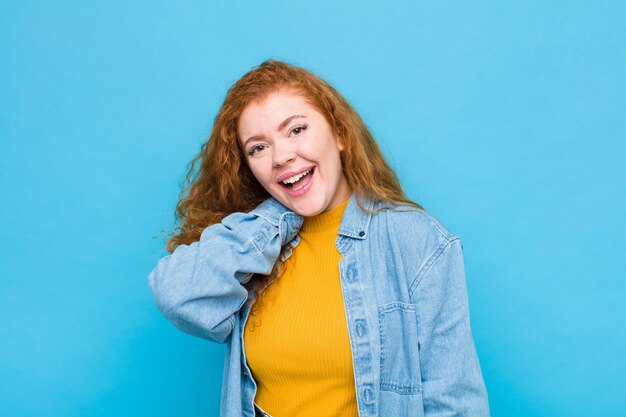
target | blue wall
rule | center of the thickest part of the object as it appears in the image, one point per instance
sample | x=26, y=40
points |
x=506, y=120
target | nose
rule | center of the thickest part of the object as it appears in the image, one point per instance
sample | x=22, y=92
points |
x=283, y=155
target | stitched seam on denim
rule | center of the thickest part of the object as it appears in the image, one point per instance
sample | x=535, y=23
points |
x=382, y=341
x=388, y=386
x=434, y=257
x=343, y=245
x=268, y=219
x=261, y=237
x=396, y=305
x=400, y=389
x=356, y=361
x=448, y=235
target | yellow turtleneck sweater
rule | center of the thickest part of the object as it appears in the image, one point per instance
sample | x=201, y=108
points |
x=297, y=344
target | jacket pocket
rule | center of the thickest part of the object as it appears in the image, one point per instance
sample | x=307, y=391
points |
x=399, y=355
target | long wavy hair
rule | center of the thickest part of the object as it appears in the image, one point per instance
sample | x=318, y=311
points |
x=223, y=183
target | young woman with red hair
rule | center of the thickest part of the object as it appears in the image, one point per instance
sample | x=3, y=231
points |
x=335, y=294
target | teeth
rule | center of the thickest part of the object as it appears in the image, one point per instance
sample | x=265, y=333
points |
x=295, y=178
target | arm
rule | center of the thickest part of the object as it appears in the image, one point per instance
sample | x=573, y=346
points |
x=452, y=383
x=199, y=286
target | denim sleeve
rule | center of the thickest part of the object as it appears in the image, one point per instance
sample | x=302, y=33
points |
x=452, y=382
x=199, y=286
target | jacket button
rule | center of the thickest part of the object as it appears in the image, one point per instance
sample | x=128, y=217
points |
x=361, y=233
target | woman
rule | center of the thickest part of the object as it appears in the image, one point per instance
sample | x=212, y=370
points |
x=335, y=294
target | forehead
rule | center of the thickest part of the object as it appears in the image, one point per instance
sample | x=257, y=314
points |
x=270, y=111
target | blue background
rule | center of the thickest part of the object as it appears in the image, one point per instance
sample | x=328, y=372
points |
x=506, y=120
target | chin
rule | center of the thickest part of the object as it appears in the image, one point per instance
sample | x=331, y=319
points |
x=308, y=213
x=304, y=209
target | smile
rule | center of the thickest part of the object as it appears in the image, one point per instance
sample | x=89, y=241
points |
x=298, y=184
x=292, y=180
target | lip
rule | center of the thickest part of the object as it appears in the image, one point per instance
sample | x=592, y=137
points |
x=304, y=189
x=292, y=173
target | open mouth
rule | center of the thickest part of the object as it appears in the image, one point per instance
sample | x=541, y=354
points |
x=298, y=181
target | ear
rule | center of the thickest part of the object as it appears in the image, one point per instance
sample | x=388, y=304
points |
x=339, y=144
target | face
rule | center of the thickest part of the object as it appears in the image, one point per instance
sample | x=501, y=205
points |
x=293, y=153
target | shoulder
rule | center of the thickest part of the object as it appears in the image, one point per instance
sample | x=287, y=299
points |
x=416, y=236
x=412, y=223
x=419, y=238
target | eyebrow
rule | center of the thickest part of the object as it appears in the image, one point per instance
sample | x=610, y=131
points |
x=281, y=126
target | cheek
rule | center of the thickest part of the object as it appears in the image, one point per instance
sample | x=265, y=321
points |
x=313, y=150
x=332, y=156
x=260, y=171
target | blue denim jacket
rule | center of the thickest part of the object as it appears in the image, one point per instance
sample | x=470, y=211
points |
x=403, y=284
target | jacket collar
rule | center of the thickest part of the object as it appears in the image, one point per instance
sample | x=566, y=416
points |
x=355, y=221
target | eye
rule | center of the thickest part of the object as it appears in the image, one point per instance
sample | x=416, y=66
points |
x=256, y=148
x=298, y=129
